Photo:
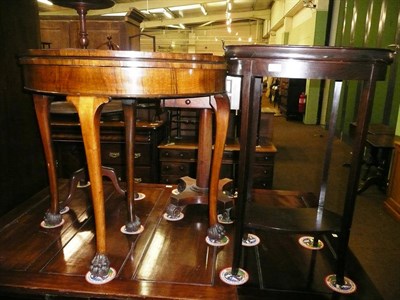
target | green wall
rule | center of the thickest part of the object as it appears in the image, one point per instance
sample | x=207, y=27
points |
x=353, y=31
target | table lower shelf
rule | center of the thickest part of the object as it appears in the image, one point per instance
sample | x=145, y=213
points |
x=295, y=220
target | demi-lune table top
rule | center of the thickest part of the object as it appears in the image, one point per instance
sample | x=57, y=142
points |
x=123, y=73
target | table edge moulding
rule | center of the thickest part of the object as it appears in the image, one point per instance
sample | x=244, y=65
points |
x=251, y=63
x=91, y=78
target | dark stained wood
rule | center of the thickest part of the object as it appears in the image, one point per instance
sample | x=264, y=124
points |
x=255, y=61
x=204, y=153
x=42, y=108
x=169, y=260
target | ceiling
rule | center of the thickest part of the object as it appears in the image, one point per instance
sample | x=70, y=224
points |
x=179, y=13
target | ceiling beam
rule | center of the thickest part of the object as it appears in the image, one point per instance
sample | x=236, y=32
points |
x=126, y=7
x=144, y=4
x=258, y=14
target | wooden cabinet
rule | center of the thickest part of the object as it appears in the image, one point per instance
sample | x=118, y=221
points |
x=70, y=155
x=290, y=90
x=392, y=203
x=264, y=167
x=63, y=32
x=157, y=158
x=178, y=155
x=179, y=158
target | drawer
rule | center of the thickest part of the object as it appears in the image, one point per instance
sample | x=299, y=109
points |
x=142, y=174
x=265, y=171
x=181, y=169
x=177, y=154
x=260, y=183
x=170, y=179
x=263, y=176
x=264, y=158
x=230, y=156
x=114, y=154
x=143, y=154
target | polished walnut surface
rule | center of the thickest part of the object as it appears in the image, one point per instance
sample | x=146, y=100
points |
x=91, y=78
x=123, y=73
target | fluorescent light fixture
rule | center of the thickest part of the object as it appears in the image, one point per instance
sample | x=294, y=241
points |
x=168, y=14
x=173, y=26
x=116, y=14
x=156, y=10
x=47, y=2
x=182, y=26
x=203, y=10
x=215, y=4
x=185, y=7
x=206, y=23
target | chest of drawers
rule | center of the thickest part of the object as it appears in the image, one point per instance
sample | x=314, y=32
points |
x=178, y=159
x=70, y=154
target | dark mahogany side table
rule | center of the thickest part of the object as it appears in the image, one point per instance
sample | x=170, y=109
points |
x=89, y=79
x=252, y=63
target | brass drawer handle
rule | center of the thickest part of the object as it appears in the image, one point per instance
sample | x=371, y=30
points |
x=137, y=155
x=138, y=179
x=114, y=154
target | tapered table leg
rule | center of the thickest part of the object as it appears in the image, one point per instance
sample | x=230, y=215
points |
x=52, y=217
x=204, y=152
x=216, y=232
x=220, y=104
x=89, y=110
x=133, y=223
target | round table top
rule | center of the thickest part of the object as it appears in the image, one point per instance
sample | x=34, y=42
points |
x=123, y=73
x=88, y=4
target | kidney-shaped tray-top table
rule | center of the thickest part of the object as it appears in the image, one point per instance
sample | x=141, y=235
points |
x=254, y=62
x=89, y=79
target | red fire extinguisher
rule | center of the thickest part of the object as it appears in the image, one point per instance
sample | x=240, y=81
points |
x=302, y=103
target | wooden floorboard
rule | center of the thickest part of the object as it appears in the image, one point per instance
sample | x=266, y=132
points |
x=168, y=260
